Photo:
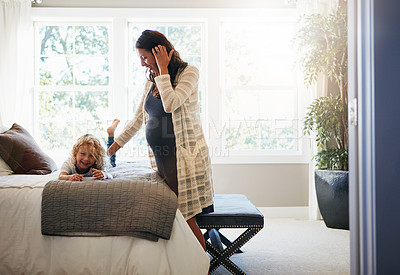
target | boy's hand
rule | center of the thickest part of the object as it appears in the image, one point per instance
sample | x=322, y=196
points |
x=98, y=174
x=76, y=177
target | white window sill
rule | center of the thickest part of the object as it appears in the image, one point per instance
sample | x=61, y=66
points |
x=254, y=159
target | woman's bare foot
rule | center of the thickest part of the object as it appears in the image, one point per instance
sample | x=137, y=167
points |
x=111, y=128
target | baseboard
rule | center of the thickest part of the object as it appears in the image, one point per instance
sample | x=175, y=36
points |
x=300, y=212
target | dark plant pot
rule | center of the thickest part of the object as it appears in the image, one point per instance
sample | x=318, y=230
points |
x=333, y=197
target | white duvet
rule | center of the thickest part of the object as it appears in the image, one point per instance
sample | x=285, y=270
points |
x=24, y=250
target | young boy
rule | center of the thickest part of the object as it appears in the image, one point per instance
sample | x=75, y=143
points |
x=88, y=158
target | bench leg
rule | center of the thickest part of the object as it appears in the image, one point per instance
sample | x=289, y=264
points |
x=222, y=257
x=227, y=242
x=219, y=259
x=217, y=239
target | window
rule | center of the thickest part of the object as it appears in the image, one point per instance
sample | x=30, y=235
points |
x=72, y=82
x=259, y=86
x=88, y=72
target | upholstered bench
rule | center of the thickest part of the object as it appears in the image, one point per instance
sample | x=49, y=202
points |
x=230, y=211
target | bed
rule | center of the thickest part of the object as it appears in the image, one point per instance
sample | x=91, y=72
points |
x=24, y=250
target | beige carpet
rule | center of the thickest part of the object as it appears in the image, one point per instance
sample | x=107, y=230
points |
x=293, y=246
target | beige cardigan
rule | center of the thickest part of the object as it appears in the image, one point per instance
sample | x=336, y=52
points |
x=195, y=190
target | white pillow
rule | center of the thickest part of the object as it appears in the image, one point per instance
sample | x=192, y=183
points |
x=5, y=170
x=3, y=128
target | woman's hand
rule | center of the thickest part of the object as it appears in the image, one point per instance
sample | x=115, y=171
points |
x=97, y=174
x=162, y=58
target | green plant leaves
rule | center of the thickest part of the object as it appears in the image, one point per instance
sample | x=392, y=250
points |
x=321, y=42
x=328, y=117
x=322, y=45
x=332, y=159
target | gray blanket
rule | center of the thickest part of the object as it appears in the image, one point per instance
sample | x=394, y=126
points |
x=136, y=204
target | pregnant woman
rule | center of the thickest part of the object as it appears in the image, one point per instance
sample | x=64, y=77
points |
x=170, y=111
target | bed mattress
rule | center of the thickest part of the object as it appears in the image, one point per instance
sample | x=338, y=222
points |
x=24, y=250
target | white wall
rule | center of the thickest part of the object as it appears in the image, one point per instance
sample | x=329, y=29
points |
x=266, y=185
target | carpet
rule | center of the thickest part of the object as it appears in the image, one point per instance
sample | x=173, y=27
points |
x=293, y=246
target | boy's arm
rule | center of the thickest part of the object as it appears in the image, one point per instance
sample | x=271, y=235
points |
x=107, y=175
x=73, y=177
x=101, y=175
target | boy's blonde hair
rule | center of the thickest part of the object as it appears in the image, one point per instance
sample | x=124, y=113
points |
x=95, y=149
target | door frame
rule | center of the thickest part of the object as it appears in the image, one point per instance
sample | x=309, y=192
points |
x=361, y=137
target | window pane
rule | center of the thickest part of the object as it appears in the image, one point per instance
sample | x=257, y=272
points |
x=260, y=104
x=97, y=128
x=260, y=95
x=56, y=40
x=55, y=70
x=91, y=70
x=59, y=62
x=194, y=60
x=258, y=53
x=186, y=39
x=56, y=106
x=77, y=112
x=91, y=106
x=91, y=40
x=261, y=135
x=70, y=60
x=56, y=135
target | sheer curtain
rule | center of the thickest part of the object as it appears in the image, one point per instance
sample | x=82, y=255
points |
x=16, y=63
x=305, y=7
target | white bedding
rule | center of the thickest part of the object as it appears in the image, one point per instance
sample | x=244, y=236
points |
x=24, y=250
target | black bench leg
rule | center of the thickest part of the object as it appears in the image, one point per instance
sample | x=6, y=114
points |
x=223, y=257
x=227, y=242
x=227, y=263
x=217, y=239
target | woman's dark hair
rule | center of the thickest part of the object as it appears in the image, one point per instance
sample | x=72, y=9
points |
x=150, y=39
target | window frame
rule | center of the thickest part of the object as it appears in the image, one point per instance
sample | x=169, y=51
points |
x=302, y=154
x=212, y=97
x=37, y=88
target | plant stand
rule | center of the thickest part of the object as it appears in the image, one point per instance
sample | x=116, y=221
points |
x=332, y=189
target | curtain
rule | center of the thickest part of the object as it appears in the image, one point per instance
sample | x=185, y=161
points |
x=305, y=7
x=16, y=75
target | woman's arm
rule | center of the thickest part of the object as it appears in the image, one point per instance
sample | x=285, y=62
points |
x=174, y=98
x=113, y=149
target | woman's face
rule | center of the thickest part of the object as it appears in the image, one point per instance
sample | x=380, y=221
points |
x=147, y=59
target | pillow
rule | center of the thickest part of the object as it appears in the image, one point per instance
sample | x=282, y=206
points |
x=5, y=170
x=3, y=128
x=24, y=156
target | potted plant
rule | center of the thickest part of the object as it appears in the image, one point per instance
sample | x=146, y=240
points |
x=322, y=45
